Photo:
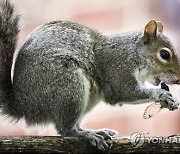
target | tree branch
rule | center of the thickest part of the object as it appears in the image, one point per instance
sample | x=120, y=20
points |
x=80, y=145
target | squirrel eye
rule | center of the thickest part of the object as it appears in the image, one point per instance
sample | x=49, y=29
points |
x=165, y=54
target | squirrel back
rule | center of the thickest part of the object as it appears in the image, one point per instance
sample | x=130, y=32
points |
x=64, y=51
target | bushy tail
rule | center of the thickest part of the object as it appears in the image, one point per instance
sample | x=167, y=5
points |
x=8, y=39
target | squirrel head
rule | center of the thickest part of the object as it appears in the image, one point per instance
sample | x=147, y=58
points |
x=159, y=61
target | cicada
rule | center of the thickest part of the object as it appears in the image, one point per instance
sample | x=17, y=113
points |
x=155, y=107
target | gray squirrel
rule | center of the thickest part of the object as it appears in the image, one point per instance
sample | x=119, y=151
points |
x=64, y=69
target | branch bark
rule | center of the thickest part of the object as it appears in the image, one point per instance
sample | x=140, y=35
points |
x=51, y=144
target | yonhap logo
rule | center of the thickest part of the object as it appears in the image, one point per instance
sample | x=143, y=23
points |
x=138, y=139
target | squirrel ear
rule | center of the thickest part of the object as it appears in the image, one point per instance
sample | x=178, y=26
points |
x=150, y=30
x=159, y=26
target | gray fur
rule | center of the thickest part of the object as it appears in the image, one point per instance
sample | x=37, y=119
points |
x=8, y=37
x=64, y=69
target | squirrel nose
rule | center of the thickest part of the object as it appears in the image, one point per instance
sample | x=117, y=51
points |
x=177, y=82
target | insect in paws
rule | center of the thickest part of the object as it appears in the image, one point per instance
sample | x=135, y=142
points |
x=155, y=107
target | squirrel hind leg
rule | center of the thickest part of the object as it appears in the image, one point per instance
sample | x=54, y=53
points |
x=67, y=120
x=97, y=140
x=105, y=132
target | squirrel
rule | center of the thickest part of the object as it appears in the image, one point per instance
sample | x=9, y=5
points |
x=64, y=69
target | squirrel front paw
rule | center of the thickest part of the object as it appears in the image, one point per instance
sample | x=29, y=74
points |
x=167, y=100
